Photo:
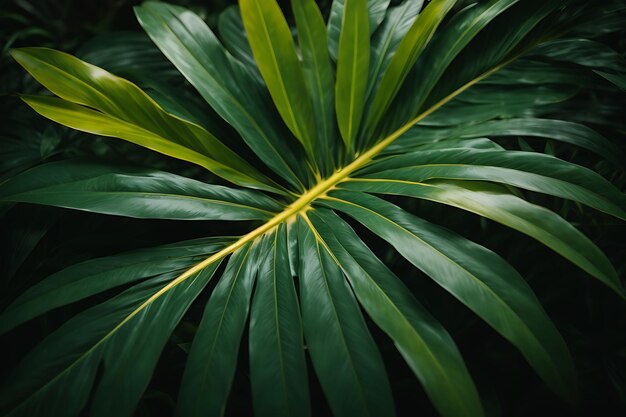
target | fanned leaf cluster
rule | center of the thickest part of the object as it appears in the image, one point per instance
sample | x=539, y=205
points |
x=307, y=132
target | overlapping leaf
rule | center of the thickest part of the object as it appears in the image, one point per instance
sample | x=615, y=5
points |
x=125, y=334
x=277, y=365
x=423, y=342
x=133, y=192
x=213, y=356
x=343, y=351
x=224, y=83
x=476, y=276
x=96, y=101
x=95, y=276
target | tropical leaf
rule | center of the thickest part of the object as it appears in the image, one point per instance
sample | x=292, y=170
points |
x=567, y=132
x=375, y=11
x=275, y=54
x=385, y=41
x=354, y=53
x=477, y=277
x=98, y=275
x=319, y=78
x=412, y=44
x=224, y=83
x=337, y=334
x=213, y=356
x=307, y=125
x=425, y=345
x=235, y=39
x=530, y=171
x=124, y=191
x=123, y=110
x=120, y=334
x=277, y=365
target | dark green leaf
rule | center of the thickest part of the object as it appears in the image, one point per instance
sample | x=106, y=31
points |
x=213, y=357
x=425, y=345
x=235, y=39
x=344, y=354
x=123, y=336
x=133, y=192
x=568, y=132
x=224, y=83
x=98, y=275
x=319, y=78
x=354, y=54
x=277, y=366
x=404, y=57
x=479, y=278
x=531, y=171
x=376, y=13
x=439, y=54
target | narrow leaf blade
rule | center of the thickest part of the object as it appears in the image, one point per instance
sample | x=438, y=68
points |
x=275, y=54
x=344, y=354
x=277, y=365
x=212, y=360
x=354, y=52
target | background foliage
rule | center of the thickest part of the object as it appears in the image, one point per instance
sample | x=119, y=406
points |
x=38, y=241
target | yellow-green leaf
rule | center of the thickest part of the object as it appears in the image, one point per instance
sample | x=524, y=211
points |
x=352, y=64
x=275, y=54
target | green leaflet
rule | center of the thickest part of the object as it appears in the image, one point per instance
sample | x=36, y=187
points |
x=567, y=132
x=121, y=106
x=398, y=20
x=583, y=52
x=425, y=345
x=479, y=278
x=125, y=334
x=376, y=13
x=132, y=192
x=512, y=27
x=224, y=83
x=439, y=54
x=485, y=93
x=354, y=53
x=344, y=354
x=456, y=112
x=530, y=171
x=212, y=359
x=91, y=121
x=527, y=71
x=542, y=224
x=404, y=57
x=319, y=77
x=95, y=276
x=235, y=39
x=277, y=365
x=275, y=54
